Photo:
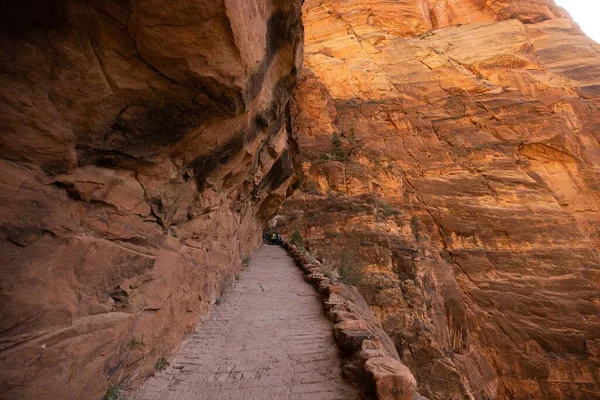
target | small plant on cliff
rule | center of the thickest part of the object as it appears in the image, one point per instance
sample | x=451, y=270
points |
x=161, y=364
x=354, y=143
x=352, y=136
x=246, y=263
x=297, y=239
x=116, y=392
x=349, y=269
x=415, y=226
x=330, y=271
x=337, y=152
x=387, y=210
x=135, y=343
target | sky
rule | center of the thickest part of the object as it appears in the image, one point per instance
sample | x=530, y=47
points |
x=585, y=13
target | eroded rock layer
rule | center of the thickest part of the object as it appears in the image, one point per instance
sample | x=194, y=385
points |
x=144, y=143
x=465, y=181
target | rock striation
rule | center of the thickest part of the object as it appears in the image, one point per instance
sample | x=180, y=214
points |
x=144, y=144
x=450, y=150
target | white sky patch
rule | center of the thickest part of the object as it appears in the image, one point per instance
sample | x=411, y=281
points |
x=586, y=13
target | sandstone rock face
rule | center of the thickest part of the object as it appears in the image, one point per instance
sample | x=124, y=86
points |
x=144, y=143
x=394, y=381
x=451, y=149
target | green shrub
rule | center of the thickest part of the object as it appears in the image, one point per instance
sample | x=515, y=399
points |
x=415, y=226
x=330, y=271
x=161, y=364
x=337, y=151
x=387, y=210
x=116, y=392
x=349, y=269
x=135, y=343
x=356, y=144
x=297, y=239
x=352, y=137
x=246, y=263
x=324, y=157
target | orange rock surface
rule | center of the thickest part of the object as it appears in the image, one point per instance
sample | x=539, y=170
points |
x=466, y=183
x=143, y=145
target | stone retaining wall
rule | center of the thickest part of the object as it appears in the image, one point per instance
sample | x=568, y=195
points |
x=370, y=358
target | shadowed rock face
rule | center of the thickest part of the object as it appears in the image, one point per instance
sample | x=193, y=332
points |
x=143, y=145
x=470, y=193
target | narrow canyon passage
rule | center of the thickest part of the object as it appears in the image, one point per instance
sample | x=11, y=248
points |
x=268, y=339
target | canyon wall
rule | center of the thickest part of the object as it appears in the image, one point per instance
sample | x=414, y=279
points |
x=144, y=144
x=450, y=149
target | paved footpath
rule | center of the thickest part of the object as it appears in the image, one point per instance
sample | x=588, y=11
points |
x=268, y=339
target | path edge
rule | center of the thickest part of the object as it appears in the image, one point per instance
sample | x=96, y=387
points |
x=370, y=359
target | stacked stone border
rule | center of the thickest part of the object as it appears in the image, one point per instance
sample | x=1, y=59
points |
x=370, y=358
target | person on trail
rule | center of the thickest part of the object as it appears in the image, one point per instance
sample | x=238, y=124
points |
x=272, y=238
x=269, y=237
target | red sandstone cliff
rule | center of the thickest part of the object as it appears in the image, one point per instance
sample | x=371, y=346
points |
x=466, y=183
x=143, y=145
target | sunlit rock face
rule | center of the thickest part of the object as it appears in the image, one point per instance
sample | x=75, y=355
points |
x=468, y=186
x=144, y=144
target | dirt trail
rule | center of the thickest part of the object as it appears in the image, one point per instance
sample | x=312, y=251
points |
x=268, y=339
